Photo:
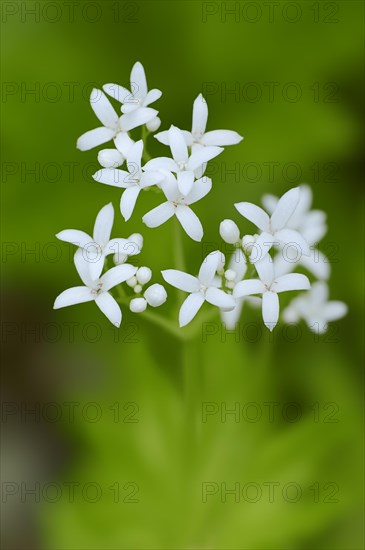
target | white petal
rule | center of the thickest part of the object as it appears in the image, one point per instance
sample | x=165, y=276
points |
x=103, y=224
x=221, y=138
x=109, y=307
x=185, y=182
x=291, y=281
x=254, y=214
x=305, y=200
x=94, y=138
x=117, y=92
x=103, y=109
x=181, y=280
x=74, y=236
x=74, y=295
x=261, y=247
x=138, y=80
x=270, y=309
x=265, y=270
x=161, y=163
x=319, y=292
x=123, y=143
x=134, y=157
x=248, y=287
x=190, y=222
x=169, y=187
x=128, y=201
x=202, y=156
x=209, y=267
x=200, y=115
x=220, y=299
x=163, y=137
x=83, y=267
x=285, y=208
x=317, y=264
x=178, y=145
x=129, y=121
x=190, y=308
x=293, y=238
x=200, y=189
x=231, y=318
x=270, y=202
x=238, y=264
x=117, y=275
x=96, y=264
x=159, y=215
x=150, y=178
x=153, y=95
x=113, y=177
x=110, y=158
x=334, y=310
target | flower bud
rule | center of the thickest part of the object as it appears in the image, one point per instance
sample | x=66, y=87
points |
x=138, y=289
x=247, y=243
x=119, y=258
x=144, y=275
x=137, y=239
x=153, y=124
x=229, y=231
x=132, y=281
x=110, y=158
x=155, y=295
x=137, y=305
x=230, y=275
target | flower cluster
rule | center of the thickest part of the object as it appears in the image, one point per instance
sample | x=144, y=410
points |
x=262, y=265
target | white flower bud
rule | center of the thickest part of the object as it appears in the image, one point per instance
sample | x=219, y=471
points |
x=155, y=295
x=229, y=231
x=230, y=285
x=230, y=275
x=132, y=281
x=110, y=158
x=137, y=305
x=119, y=258
x=153, y=124
x=144, y=275
x=137, y=289
x=137, y=239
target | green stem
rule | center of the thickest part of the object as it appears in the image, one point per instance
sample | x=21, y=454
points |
x=145, y=155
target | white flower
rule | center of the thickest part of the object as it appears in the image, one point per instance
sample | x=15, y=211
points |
x=315, y=309
x=179, y=206
x=97, y=247
x=182, y=164
x=274, y=229
x=269, y=286
x=310, y=223
x=198, y=135
x=138, y=96
x=155, y=295
x=200, y=288
x=112, y=124
x=132, y=181
x=96, y=289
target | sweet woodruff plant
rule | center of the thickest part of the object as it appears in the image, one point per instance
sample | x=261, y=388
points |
x=262, y=265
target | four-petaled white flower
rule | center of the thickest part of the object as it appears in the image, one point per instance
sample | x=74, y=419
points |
x=113, y=125
x=96, y=289
x=201, y=288
x=138, y=96
x=97, y=247
x=182, y=164
x=179, y=206
x=132, y=181
x=269, y=286
x=274, y=228
x=315, y=309
x=198, y=137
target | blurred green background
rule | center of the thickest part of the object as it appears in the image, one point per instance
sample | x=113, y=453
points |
x=136, y=449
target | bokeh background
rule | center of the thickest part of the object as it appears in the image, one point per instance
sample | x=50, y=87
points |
x=117, y=453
